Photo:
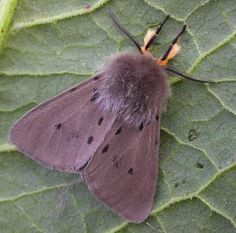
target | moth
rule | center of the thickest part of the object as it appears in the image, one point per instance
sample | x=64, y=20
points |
x=107, y=129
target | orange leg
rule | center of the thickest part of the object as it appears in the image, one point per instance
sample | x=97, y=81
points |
x=151, y=36
x=172, y=51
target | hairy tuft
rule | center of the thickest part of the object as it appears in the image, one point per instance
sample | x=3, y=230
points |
x=134, y=87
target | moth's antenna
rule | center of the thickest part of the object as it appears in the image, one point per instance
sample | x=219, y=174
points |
x=156, y=33
x=186, y=76
x=124, y=31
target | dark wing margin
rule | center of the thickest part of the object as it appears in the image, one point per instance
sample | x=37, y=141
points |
x=63, y=132
x=123, y=171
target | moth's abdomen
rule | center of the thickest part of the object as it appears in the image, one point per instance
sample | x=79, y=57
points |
x=134, y=87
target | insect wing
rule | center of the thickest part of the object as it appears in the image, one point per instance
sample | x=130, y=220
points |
x=63, y=132
x=123, y=171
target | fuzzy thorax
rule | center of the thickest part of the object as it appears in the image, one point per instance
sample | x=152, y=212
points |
x=134, y=87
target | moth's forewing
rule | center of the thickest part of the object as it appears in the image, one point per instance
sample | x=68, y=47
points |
x=63, y=132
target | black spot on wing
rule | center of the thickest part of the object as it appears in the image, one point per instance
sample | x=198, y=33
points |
x=141, y=127
x=157, y=117
x=58, y=126
x=95, y=96
x=105, y=149
x=72, y=89
x=118, y=131
x=100, y=120
x=96, y=77
x=131, y=171
x=90, y=139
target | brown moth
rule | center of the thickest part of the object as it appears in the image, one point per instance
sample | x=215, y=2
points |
x=107, y=128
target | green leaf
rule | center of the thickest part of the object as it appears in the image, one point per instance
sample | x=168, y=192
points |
x=47, y=46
